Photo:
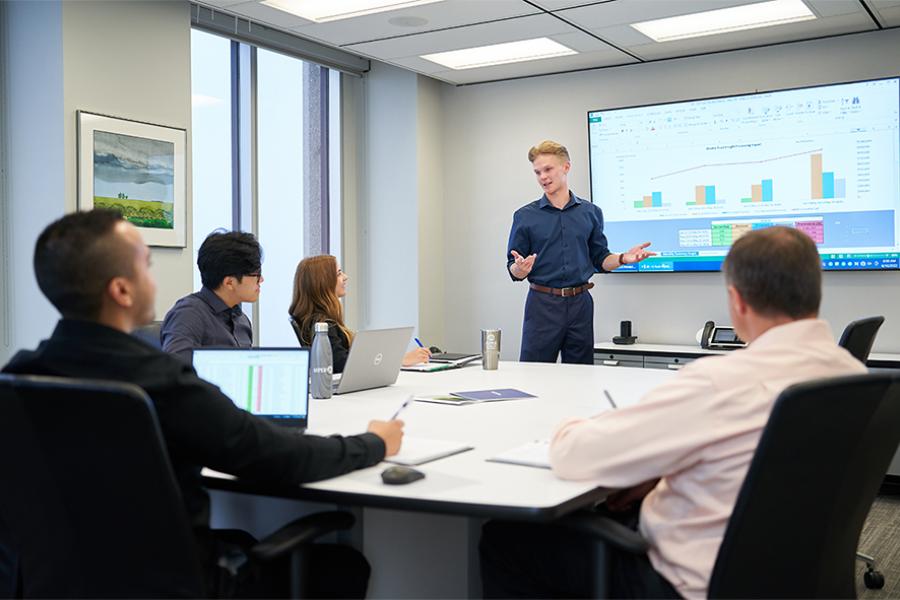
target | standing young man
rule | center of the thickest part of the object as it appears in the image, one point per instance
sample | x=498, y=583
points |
x=230, y=264
x=557, y=243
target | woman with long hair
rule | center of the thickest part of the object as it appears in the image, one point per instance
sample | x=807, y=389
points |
x=319, y=284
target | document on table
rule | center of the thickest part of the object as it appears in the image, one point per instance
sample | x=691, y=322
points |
x=532, y=454
x=430, y=367
x=443, y=399
x=418, y=451
x=493, y=395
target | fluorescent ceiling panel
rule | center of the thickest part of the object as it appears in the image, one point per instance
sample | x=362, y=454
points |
x=726, y=20
x=322, y=11
x=500, y=54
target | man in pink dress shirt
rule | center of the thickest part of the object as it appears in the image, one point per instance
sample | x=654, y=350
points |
x=682, y=452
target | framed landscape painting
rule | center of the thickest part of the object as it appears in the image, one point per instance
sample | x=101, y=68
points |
x=136, y=168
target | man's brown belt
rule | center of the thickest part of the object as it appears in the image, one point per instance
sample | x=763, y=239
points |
x=567, y=291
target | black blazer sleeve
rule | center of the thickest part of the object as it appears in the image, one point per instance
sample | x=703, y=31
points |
x=340, y=347
x=202, y=423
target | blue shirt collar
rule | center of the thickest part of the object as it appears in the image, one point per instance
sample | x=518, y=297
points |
x=214, y=302
x=573, y=199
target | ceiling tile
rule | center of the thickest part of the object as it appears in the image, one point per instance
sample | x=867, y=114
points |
x=537, y=67
x=562, y=4
x=498, y=32
x=611, y=22
x=888, y=11
x=623, y=13
x=268, y=15
x=222, y=3
x=592, y=53
x=438, y=15
x=754, y=37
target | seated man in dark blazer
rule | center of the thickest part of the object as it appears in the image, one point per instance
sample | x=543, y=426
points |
x=94, y=268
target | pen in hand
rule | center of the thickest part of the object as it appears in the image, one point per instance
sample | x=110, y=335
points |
x=608, y=397
x=402, y=406
x=418, y=342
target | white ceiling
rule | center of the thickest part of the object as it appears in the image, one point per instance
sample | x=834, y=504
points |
x=599, y=30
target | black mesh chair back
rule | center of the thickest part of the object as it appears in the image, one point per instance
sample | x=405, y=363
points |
x=150, y=334
x=88, y=495
x=859, y=337
x=820, y=461
x=296, y=327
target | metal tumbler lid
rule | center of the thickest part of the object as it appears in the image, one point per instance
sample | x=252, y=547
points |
x=321, y=327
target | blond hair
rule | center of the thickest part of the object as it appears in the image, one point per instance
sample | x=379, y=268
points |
x=549, y=147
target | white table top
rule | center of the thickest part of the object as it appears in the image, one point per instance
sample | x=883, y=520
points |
x=875, y=358
x=465, y=483
x=655, y=349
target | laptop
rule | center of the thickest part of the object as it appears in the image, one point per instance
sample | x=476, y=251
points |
x=271, y=383
x=374, y=360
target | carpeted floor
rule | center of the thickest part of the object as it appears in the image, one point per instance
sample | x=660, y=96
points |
x=881, y=539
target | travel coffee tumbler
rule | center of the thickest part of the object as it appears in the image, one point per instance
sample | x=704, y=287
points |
x=490, y=349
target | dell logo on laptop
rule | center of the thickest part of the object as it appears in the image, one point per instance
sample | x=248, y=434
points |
x=378, y=358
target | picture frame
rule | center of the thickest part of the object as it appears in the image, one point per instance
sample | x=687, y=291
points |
x=137, y=168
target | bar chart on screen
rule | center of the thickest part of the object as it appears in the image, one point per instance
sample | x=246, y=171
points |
x=694, y=176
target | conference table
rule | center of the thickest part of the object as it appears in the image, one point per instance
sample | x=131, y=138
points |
x=421, y=538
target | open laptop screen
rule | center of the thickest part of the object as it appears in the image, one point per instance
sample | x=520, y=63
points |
x=267, y=382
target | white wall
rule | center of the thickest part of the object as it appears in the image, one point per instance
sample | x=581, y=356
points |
x=394, y=201
x=430, y=168
x=132, y=60
x=384, y=278
x=34, y=144
x=488, y=129
x=125, y=59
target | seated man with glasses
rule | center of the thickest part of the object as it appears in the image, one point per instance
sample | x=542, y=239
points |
x=230, y=264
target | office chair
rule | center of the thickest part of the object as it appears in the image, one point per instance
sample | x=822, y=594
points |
x=150, y=334
x=296, y=327
x=859, y=337
x=796, y=523
x=90, y=502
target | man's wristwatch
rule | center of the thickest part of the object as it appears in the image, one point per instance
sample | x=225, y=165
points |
x=621, y=258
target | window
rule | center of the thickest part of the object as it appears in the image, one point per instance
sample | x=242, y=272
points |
x=210, y=137
x=263, y=161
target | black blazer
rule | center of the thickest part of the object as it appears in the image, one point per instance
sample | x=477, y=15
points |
x=202, y=427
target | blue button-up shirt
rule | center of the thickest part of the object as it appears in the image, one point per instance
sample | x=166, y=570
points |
x=203, y=319
x=569, y=243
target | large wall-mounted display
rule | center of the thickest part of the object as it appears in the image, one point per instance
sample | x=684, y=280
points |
x=692, y=177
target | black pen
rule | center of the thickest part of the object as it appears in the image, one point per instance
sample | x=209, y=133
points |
x=402, y=406
x=611, y=401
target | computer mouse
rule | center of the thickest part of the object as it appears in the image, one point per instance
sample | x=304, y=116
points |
x=401, y=475
x=435, y=350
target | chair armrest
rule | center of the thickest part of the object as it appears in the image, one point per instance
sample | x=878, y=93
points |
x=301, y=531
x=605, y=529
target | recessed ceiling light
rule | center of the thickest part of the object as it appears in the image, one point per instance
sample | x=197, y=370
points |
x=322, y=11
x=725, y=20
x=500, y=54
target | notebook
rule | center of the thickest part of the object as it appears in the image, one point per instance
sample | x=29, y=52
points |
x=455, y=358
x=418, y=451
x=430, y=367
x=532, y=454
x=493, y=395
x=374, y=360
x=272, y=383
